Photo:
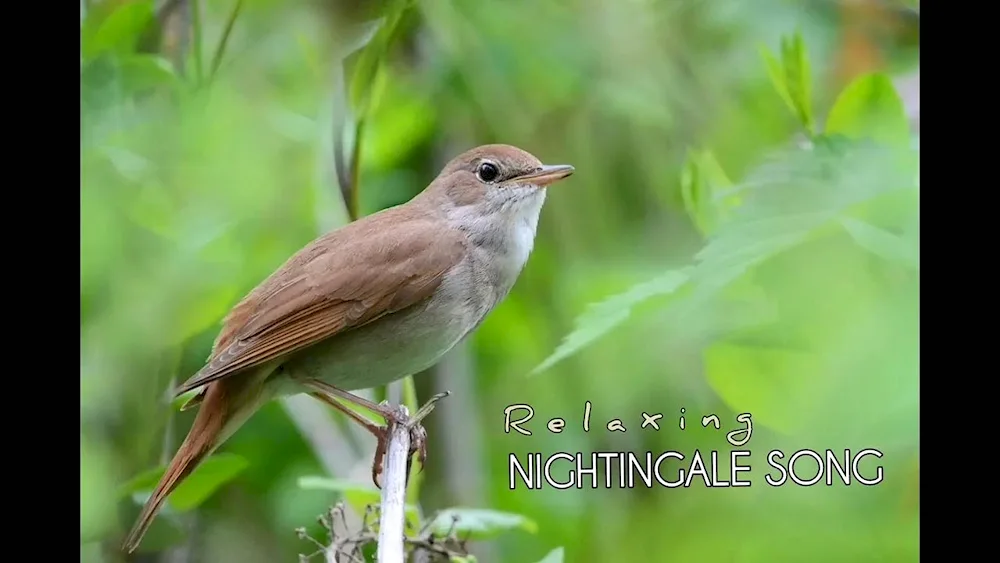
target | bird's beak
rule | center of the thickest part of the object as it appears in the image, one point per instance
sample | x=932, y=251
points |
x=547, y=174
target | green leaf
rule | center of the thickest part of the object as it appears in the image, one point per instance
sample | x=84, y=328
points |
x=480, y=523
x=870, y=107
x=370, y=552
x=798, y=79
x=205, y=480
x=163, y=534
x=144, y=72
x=793, y=197
x=97, y=516
x=702, y=180
x=327, y=484
x=882, y=243
x=403, y=121
x=554, y=556
x=177, y=402
x=692, y=193
x=360, y=36
x=777, y=74
x=776, y=385
x=792, y=78
x=357, y=495
x=204, y=311
x=120, y=31
x=601, y=318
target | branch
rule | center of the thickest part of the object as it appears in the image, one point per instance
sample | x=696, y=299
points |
x=393, y=505
x=392, y=509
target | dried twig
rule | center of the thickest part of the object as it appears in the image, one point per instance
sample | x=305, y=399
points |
x=346, y=547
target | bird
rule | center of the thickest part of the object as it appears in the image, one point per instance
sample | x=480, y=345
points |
x=371, y=302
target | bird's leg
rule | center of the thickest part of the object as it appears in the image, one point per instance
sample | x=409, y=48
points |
x=392, y=415
x=381, y=433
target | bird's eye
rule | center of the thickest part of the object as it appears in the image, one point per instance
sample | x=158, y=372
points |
x=488, y=172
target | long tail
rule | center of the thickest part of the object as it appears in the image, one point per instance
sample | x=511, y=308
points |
x=206, y=434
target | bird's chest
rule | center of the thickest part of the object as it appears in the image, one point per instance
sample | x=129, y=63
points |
x=494, y=264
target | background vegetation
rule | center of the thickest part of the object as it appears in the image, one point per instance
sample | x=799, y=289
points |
x=740, y=236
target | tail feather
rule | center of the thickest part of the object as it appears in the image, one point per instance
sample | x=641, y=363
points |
x=203, y=438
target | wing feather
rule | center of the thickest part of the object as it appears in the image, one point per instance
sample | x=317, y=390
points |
x=331, y=286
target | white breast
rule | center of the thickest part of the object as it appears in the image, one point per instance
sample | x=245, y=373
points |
x=501, y=231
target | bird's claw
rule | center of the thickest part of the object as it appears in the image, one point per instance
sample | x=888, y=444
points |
x=418, y=436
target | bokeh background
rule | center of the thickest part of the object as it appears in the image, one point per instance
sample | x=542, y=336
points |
x=719, y=249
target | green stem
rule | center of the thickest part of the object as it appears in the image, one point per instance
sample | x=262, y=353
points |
x=196, y=39
x=172, y=359
x=221, y=47
x=410, y=394
x=354, y=205
x=416, y=475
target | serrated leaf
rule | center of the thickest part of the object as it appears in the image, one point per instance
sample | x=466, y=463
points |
x=601, y=318
x=882, y=243
x=120, y=31
x=554, y=556
x=786, y=202
x=214, y=472
x=480, y=523
x=792, y=198
x=870, y=107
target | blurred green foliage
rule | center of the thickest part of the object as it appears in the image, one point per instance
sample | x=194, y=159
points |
x=741, y=235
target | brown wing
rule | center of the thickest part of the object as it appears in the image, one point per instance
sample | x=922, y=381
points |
x=341, y=281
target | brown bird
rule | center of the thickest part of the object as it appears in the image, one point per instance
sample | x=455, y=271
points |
x=377, y=300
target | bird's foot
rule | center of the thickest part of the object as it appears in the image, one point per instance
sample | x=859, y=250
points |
x=399, y=415
x=393, y=416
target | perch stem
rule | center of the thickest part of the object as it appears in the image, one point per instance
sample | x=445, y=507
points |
x=393, y=511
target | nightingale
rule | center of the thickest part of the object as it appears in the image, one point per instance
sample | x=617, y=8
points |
x=369, y=303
